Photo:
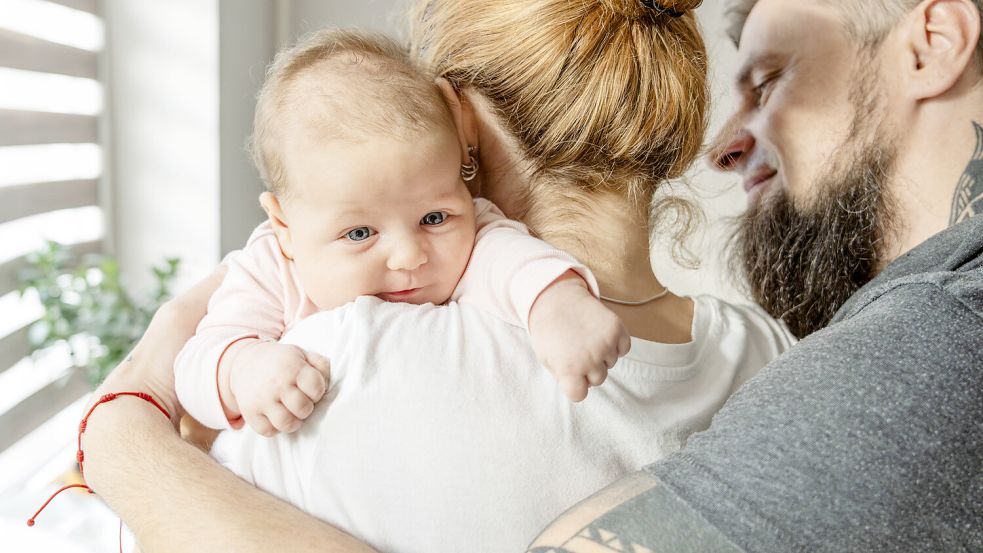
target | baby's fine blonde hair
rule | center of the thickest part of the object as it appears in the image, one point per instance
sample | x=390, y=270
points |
x=341, y=85
x=599, y=94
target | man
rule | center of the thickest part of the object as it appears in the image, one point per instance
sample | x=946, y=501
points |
x=860, y=144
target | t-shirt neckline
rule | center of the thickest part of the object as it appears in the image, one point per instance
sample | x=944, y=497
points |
x=673, y=361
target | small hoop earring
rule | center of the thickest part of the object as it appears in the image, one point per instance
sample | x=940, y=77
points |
x=470, y=171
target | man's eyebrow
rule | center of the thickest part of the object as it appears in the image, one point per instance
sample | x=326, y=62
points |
x=743, y=79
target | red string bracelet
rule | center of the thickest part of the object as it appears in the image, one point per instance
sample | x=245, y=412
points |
x=80, y=456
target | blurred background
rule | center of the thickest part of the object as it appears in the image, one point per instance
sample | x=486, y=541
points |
x=123, y=126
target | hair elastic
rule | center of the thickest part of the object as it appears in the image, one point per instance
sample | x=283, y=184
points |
x=658, y=7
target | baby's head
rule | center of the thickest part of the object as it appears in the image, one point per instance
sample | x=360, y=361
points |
x=362, y=165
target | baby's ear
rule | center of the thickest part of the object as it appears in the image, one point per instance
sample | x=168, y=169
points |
x=274, y=211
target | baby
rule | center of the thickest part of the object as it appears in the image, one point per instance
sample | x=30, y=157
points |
x=367, y=196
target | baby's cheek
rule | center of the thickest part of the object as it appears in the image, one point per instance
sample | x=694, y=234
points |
x=462, y=254
x=328, y=289
x=452, y=260
x=322, y=296
x=465, y=250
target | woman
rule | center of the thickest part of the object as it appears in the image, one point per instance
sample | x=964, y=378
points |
x=578, y=111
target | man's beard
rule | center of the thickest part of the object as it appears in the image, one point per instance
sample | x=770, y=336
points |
x=802, y=264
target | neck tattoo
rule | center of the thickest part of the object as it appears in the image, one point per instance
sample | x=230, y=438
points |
x=968, y=200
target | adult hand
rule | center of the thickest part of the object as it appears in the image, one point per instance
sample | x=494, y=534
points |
x=150, y=366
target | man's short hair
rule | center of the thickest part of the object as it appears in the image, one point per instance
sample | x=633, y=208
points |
x=867, y=21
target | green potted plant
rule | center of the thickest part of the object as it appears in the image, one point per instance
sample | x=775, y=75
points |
x=88, y=307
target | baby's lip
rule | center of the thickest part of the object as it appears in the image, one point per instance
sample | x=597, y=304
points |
x=400, y=295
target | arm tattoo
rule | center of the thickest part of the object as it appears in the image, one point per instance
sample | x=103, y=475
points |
x=618, y=530
x=968, y=200
x=651, y=521
x=606, y=534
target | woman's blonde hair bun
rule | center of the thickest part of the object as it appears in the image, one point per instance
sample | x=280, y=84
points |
x=641, y=9
x=593, y=100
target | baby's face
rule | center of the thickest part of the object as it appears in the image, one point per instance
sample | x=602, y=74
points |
x=385, y=218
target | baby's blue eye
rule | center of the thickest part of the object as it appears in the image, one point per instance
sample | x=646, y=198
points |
x=433, y=218
x=359, y=234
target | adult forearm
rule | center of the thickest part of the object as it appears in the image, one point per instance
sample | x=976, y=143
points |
x=175, y=498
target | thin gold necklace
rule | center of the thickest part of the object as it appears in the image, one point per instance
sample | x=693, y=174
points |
x=660, y=295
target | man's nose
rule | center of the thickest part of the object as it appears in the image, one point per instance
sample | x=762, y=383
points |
x=731, y=146
x=408, y=253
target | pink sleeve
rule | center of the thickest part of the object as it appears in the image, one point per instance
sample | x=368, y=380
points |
x=249, y=303
x=509, y=268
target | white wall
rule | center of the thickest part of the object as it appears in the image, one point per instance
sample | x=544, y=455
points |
x=310, y=15
x=247, y=41
x=162, y=62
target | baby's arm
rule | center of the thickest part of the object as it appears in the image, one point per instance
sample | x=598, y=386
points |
x=529, y=283
x=232, y=369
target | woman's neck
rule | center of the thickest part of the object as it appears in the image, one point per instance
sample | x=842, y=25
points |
x=611, y=236
x=606, y=233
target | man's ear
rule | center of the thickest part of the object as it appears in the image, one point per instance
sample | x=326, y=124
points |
x=943, y=35
x=462, y=112
x=274, y=211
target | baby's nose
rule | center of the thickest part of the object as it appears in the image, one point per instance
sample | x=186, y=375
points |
x=407, y=254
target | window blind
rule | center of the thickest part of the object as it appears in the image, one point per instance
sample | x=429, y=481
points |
x=51, y=102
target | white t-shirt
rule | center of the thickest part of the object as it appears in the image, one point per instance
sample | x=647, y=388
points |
x=441, y=432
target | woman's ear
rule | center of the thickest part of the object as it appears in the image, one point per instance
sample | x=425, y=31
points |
x=274, y=211
x=462, y=112
x=943, y=35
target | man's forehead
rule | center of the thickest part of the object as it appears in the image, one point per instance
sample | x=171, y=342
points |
x=778, y=28
x=762, y=36
x=738, y=12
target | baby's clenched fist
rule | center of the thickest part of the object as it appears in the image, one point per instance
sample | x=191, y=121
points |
x=575, y=336
x=273, y=386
